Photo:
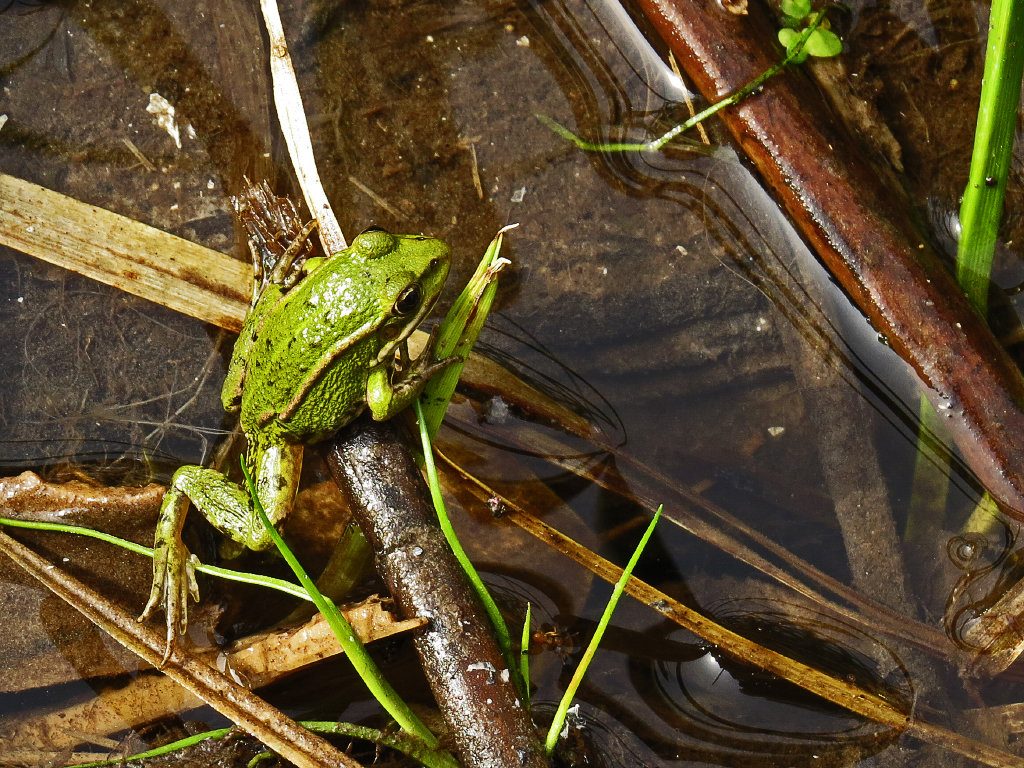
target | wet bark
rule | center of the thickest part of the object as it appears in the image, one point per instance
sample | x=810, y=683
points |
x=469, y=679
x=862, y=232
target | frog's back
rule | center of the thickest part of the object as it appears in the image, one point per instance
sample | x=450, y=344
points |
x=309, y=361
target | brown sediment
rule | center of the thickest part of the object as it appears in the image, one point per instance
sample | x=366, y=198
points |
x=861, y=230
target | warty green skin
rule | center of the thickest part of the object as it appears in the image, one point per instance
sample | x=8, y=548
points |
x=307, y=361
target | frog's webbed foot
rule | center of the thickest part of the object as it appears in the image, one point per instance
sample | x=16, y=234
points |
x=174, y=574
x=278, y=240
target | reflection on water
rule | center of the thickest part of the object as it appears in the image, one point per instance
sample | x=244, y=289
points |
x=717, y=699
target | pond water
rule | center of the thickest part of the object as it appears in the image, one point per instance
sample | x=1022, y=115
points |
x=662, y=295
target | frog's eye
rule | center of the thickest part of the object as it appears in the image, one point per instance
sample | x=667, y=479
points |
x=408, y=300
x=375, y=242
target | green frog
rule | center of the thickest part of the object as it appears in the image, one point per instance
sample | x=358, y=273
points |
x=323, y=340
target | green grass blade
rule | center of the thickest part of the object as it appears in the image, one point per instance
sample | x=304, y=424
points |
x=524, y=657
x=501, y=631
x=401, y=742
x=570, y=692
x=982, y=205
x=131, y=546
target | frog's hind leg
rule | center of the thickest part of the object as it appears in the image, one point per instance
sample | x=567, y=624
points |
x=225, y=504
x=174, y=576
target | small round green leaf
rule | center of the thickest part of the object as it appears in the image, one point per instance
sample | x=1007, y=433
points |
x=798, y=9
x=823, y=43
x=790, y=38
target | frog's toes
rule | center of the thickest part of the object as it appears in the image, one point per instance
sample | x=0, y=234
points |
x=174, y=581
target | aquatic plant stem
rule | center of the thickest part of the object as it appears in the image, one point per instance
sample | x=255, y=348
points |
x=210, y=570
x=398, y=741
x=982, y=205
x=501, y=632
x=792, y=54
x=524, y=656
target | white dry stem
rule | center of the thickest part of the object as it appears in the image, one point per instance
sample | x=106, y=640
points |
x=292, y=118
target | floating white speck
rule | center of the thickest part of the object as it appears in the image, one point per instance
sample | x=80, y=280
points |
x=523, y=42
x=164, y=112
x=776, y=431
x=3, y=120
x=518, y=195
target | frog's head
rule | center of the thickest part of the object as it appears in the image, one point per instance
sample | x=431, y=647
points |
x=411, y=270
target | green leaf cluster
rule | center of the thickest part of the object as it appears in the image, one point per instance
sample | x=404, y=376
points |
x=822, y=42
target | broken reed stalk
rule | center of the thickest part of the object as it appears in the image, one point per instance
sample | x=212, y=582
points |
x=862, y=232
x=292, y=118
x=244, y=708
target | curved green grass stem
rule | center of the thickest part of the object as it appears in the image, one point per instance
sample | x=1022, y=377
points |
x=131, y=546
x=793, y=53
x=982, y=205
x=363, y=664
x=401, y=742
x=501, y=632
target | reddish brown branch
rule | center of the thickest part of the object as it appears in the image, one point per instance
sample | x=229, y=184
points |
x=862, y=232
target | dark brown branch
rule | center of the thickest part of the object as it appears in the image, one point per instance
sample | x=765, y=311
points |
x=862, y=232
x=465, y=669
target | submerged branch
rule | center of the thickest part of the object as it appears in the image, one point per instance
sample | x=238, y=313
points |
x=462, y=661
x=862, y=232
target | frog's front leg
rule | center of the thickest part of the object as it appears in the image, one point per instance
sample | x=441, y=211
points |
x=388, y=393
x=228, y=507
